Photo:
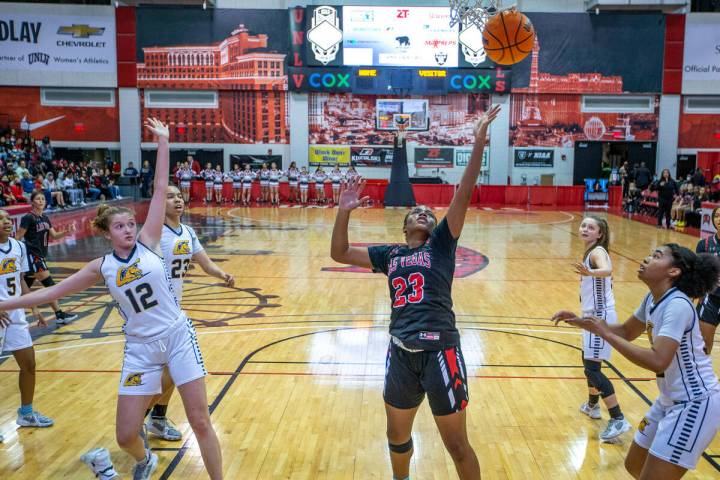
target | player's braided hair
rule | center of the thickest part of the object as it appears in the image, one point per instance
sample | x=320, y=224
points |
x=105, y=213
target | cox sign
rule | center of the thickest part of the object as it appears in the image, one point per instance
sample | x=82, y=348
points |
x=477, y=81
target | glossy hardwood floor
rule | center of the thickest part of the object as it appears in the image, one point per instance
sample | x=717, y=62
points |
x=296, y=354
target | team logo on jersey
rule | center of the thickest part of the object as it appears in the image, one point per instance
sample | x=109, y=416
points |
x=182, y=247
x=8, y=265
x=643, y=424
x=649, y=332
x=133, y=380
x=467, y=262
x=129, y=274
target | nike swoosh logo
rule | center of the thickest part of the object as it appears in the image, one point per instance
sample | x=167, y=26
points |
x=35, y=125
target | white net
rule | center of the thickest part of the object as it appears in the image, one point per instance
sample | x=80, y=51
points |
x=472, y=12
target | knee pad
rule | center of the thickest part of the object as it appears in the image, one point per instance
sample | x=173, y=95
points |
x=598, y=379
x=402, y=448
x=29, y=280
x=48, y=282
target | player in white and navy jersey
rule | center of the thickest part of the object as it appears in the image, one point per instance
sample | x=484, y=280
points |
x=14, y=330
x=218, y=180
x=304, y=181
x=292, y=176
x=424, y=355
x=208, y=176
x=180, y=246
x=158, y=333
x=247, y=179
x=685, y=417
x=709, y=307
x=336, y=177
x=319, y=178
x=274, y=183
x=596, y=298
x=236, y=177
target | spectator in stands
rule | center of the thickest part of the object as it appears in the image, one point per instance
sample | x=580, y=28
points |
x=46, y=152
x=17, y=191
x=667, y=189
x=147, y=174
x=132, y=173
x=109, y=181
x=21, y=169
x=698, y=179
x=28, y=184
x=89, y=190
x=682, y=204
x=6, y=196
x=642, y=176
x=632, y=200
x=56, y=194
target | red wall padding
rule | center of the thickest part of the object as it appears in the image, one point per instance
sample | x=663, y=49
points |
x=674, y=45
x=126, y=46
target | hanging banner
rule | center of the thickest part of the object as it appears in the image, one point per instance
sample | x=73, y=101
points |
x=327, y=155
x=57, y=45
x=701, y=62
x=371, y=156
x=462, y=158
x=434, y=157
x=534, y=158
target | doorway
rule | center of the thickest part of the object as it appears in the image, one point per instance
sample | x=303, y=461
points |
x=599, y=159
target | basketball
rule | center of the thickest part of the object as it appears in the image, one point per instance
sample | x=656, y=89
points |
x=508, y=37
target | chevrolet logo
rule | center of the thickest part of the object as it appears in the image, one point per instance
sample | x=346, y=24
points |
x=81, y=31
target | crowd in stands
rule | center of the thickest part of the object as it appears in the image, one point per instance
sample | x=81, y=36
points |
x=674, y=202
x=27, y=164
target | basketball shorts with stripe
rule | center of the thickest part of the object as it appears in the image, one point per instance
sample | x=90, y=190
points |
x=680, y=433
x=595, y=347
x=439, y=374
x=143, y=363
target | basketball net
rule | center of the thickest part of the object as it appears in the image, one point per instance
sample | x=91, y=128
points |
x=476, y=12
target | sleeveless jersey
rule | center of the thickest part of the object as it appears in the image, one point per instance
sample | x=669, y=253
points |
x=208, y=175
x=248, y=177
x=711, y=245
x=596, y=294
x=264, y=175
x=184, y=175
x=336, y=176
x=274, y=175
x=142, y=290
x=420, y=281
x=304, y=177
x=13, y=263
x=236, y=176
x=178, y=247
x=319, y=177
x=218, y=178
x=293, y=174
x=690, y=374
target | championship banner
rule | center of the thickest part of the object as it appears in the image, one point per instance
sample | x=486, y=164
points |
x=701, y=62
x=57, y=45
x=371, y=156
x=328, y=156
x=441, y=157
x=534, y=158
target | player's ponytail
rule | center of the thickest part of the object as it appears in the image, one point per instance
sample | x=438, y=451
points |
x=105, y=212
x=699, y=272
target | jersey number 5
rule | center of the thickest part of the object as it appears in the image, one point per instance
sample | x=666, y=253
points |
x=144, y=292
x=416, y=281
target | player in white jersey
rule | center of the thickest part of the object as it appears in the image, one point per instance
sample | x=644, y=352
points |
x=14, y=328
x=274, y=182
x=686, y=415
x=236, y=175
x=304, y=180
x=596, y=298
x=209, y=176
x=292, y=176
x=180, y=246
x=247, y=178
x=157, y=331
x=336, y=178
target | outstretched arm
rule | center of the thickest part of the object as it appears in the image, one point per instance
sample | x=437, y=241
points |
x=212, y=269
x=152, y=229
x=81, y=280
x=456, y=213
x=340, y=249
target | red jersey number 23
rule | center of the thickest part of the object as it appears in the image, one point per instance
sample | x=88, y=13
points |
x=416, y=281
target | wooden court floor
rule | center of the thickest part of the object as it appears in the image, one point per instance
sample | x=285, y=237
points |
x=296, y=354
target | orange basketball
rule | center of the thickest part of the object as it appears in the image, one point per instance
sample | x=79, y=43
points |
x=508, y=37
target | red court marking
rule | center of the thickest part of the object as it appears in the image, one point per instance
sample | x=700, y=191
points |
x=316, y=374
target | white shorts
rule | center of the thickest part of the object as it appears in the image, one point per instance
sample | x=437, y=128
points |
x=247, y=186
x=293, y=183
x=680, y=433
x=184, y=184
x=274, y=183
x=236, y=186
x=336, y=186
x=594, y=347
x=264, y=183
x=143, y=363
x=218, y=186
x=304, y=187
x=15, y=336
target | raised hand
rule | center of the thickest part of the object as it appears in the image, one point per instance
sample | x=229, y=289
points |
x=158, y=128
x=484, y=122
x=350, y=197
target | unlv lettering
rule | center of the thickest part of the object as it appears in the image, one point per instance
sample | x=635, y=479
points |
x=299, y=14
x=298, y=38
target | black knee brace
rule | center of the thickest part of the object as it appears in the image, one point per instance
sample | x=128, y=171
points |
x=48, y=282
x=598, y=379
x=403, y=448
x=29, y=280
